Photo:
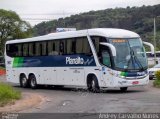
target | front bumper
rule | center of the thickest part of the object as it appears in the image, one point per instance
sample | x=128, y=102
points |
x=119, y=82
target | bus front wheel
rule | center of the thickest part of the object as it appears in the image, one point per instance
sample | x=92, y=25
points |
x=33, y=82
x=93, y=85
x=123, y=89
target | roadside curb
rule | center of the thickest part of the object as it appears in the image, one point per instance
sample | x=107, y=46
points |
x=29, y=100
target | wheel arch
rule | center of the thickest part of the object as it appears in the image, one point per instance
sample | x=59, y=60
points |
x=21, y=75
x=89, y=78
x=30, y=74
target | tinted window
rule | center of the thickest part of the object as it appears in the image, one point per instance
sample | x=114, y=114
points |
x=41, y=48
x=14, y=50
x=62, y=47
x=25, y=49
x=31, y=49
x=53, y=47
x=96, y=42
x=82, y=46
x=71, y=46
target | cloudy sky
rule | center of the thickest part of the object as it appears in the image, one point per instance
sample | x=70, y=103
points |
x=35, y=11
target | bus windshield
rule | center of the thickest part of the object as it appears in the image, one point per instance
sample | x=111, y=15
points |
x=130, y=54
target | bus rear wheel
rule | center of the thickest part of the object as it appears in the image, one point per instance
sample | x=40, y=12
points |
x=33, y=82
x=93, y=85
x=123, y=89
x=23, y=81
x=59, y=86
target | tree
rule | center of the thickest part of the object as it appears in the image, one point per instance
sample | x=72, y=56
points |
x=12, y=27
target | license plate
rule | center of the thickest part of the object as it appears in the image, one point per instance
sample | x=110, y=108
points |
x=135, y=82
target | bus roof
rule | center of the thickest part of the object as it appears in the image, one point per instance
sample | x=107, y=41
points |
x=106, y=32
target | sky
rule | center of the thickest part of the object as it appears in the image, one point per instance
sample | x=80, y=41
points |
x=36, y=11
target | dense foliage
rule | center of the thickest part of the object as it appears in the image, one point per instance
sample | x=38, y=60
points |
x=12, y=27
x=156, y=83
x=138, y=19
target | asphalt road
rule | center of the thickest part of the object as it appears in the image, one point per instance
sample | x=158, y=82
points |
x=143, y=99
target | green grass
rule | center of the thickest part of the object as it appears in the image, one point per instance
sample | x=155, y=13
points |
x=8, y=94
x=156, y=83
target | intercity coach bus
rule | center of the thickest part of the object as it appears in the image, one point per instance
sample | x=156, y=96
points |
x=95, y=58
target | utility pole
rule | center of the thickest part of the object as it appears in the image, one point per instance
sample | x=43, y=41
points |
x=154, y=40
x=155, y=59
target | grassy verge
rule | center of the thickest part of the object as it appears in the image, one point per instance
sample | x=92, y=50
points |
x=156, y=83
x=8, y=94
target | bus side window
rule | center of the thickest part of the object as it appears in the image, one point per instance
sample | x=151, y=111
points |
x=86, y=47
x=57, y=47
x=62, y=48
x=74, y=46
x=31, y=49
x=44, y=48
x=11, y=50
x=79, y=45
x=25, y=49
x=38, y=49
x=19, y=52
x=82, y=46
x=106, y=58
x=14, y=50
x=96, y=42
x=53, y=47
x=71, y=46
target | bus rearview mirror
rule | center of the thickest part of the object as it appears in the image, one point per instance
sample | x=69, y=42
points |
x=113, y=49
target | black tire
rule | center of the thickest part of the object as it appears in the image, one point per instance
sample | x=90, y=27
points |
x=150, y=78
x=123, y=89
x=33, y=82
x=23, y=81
x=93, y=85
x=58, y=86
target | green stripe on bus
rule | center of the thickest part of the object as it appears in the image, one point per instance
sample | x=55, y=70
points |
x=123, y=73
x=18, y=62
x=15, y=62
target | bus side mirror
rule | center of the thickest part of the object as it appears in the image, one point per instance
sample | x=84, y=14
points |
x=150, y=45
x=113, y=49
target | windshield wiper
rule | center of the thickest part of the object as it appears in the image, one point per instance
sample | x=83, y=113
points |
x=137, y=60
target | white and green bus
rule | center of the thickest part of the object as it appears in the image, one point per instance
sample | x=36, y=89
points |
x=95, y=58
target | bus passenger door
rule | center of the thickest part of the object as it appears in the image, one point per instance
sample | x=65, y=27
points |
x=105, y=59
x=107, y=76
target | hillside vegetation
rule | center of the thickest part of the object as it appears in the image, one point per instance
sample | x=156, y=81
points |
x=138, y=19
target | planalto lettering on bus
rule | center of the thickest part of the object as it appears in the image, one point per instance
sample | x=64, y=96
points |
x=77, y=60
x=93, y=58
